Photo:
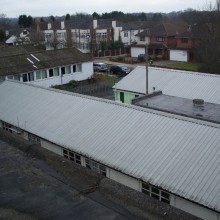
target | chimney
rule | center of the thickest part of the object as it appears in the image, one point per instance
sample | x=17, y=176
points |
x=62, y=25
x=114, y=24
x=95, y=23
x=49, y=26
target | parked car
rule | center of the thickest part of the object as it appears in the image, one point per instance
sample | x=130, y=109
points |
x=119, y=69
x=100, y=67
x=142, y=57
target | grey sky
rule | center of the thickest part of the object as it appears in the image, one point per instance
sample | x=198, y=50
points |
x=14, y=8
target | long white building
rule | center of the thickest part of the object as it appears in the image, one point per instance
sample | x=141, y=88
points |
x=171, y=158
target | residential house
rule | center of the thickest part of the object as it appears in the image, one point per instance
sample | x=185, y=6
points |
x=165, y=41
x=185, y=84
x=89, y=35
x=19, y=37
x=172, y=158
x=46, y=68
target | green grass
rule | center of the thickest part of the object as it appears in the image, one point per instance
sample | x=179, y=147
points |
x=184, y=66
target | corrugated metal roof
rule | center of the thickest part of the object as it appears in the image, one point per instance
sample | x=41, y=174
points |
x=178, y=154
x=178, y=83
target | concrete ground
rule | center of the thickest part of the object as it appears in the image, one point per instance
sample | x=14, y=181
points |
x=30, y=189
x=38, y=184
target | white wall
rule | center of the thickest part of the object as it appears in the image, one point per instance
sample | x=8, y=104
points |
x=124, y=179
x=195, y=209
x=87, y=72
x=52, y=147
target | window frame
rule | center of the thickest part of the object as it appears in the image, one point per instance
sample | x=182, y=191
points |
x=155, y=192
x=95, y=166
x=71, y=155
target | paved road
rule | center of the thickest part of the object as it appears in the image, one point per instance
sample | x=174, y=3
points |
x=29, y=189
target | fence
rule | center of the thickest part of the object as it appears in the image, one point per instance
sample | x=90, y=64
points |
x=109, y=53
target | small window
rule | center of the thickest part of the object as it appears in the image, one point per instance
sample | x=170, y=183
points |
x=68, y=69
x=122, y=97
x=184, y=40
x=17, y=77
x=90, y=164
x=160, y=39
x=155, y=193
x=25, y=77
x=34, y=139
x=50, y=72
x=31, y=76
x=126, y=34
x=79, y=67
x=142, y=38
x=63, y=70
x=10, y=77
x=41, y=74
x=56, y=71
x=74, y=68
x=72, y=156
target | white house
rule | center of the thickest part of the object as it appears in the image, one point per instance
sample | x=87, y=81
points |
x=185, y=84
x=47, y=68
x=171, y=158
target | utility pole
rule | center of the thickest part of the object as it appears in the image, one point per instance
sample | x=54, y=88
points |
x=146, y=55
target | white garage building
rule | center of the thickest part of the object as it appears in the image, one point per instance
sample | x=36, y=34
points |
x=171, y=158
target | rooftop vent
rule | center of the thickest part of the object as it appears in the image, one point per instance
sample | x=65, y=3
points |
x=198, y=102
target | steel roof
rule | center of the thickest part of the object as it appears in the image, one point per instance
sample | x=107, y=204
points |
x=178, y=83
x=178, y=154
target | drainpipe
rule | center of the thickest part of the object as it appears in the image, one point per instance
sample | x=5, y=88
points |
x=146, y=55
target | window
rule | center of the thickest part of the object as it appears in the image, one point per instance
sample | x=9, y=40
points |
x=122, y=97
x=10, y=128
x=63, y=70
x=48, y=36
x=50, y=72
x=6, y=126
x=160, y=39
x=155, y=193
x=68, y=69
x=33, y=138
x=17, y=77
x=132, y=33
x=27, y=77
x=72, y=156
x=142, y=38
x=77, y=68
x=126, y=34
x=101, y=35
x=60, y=36
x=41, y=74
x=56, y=71
x=184, y=40
x=92, y=165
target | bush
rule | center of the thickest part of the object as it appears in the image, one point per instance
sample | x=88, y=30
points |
x=73, y=83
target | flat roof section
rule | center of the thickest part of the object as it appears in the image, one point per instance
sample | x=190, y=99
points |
x=181, y=106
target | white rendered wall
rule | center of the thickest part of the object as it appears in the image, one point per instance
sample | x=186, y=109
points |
x=124, y=179
x=195, y=209
x=52, y=147
x=87, y=72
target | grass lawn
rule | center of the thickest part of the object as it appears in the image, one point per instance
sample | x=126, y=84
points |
x=184, y=66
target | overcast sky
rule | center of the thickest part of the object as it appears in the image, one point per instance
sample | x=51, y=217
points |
x=38, y=8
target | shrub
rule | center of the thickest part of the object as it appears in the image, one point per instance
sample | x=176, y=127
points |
x=73, y=83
